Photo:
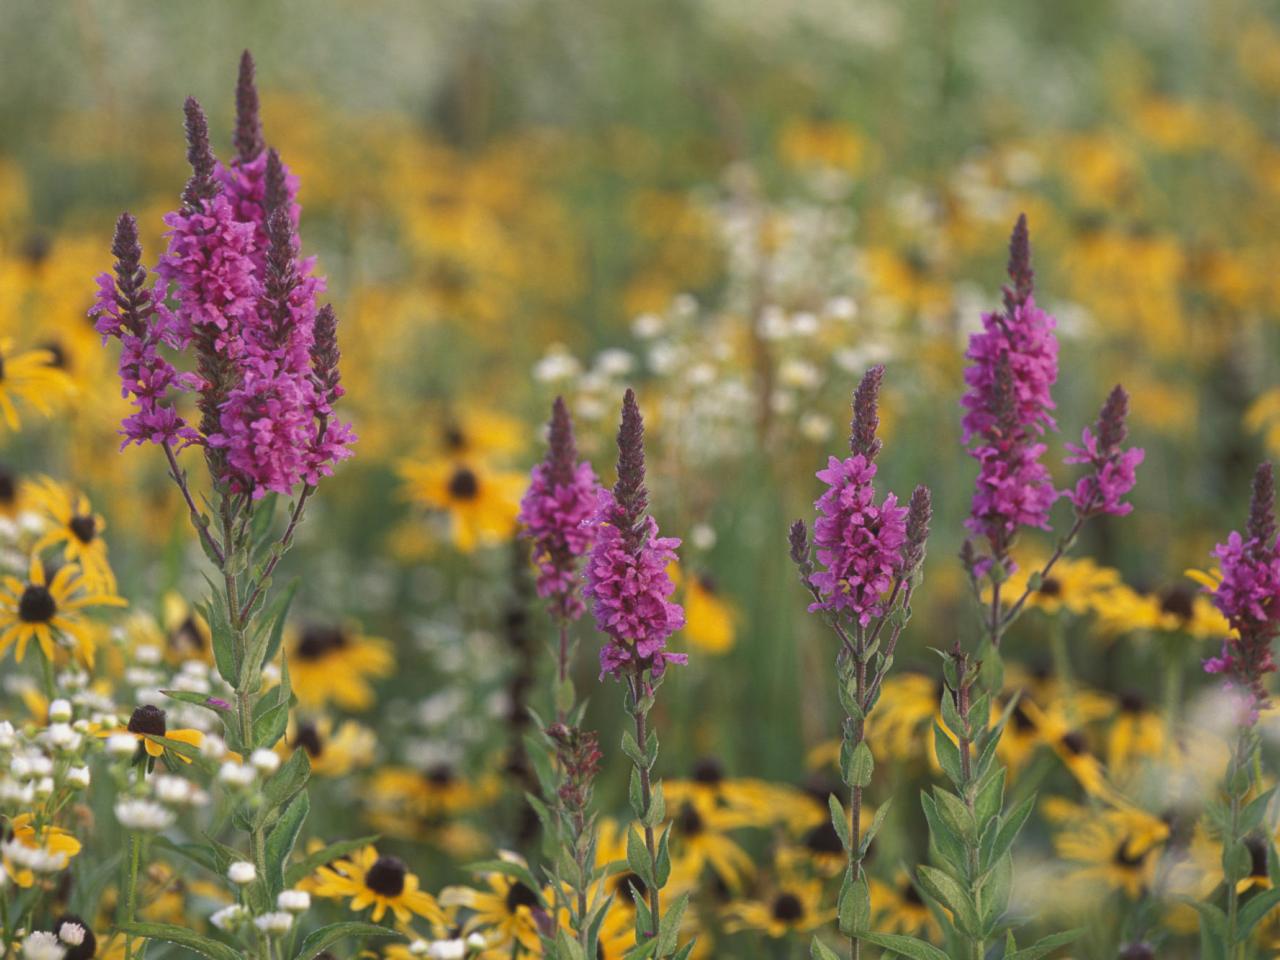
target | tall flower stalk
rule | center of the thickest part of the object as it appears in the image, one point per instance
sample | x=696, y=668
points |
x=630, y=590
x=869, y=560
x=234, y=299
x=1247, y=593
x=554, y=515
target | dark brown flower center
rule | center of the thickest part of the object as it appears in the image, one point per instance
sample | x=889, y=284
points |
x=629, y=886
x=1123, y=858
x=386, y=877
x=689, y=821
x=1132, y=702
x=8, y=487
x=1050, y=587
x=708, y=771
x=440, y=775
x=59, y=358
x=824, y=839
x=1257, y=848
x=36, y=605
x=308, y=737
x=318, y=642
x=147, y=719
x=911, y=895
x=187, y=636
x=520, y=896
x=84, y=527
x=1178, y=601
x=1075, y=743
x=787, y=908
x=454, y=438
x=88, y=946
x=464, y=485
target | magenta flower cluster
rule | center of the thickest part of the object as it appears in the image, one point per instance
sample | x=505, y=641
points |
x=1248, y=595
x=555, y=513
x=245, y=307
x=1112, y=469
x=626, y=573
x=1014, y=364
x=858, y=543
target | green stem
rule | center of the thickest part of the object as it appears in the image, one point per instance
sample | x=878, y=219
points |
x=646, y=793
x=131, y=894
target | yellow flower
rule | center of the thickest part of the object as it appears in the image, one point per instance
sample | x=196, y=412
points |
x=381, y=882
x=147, y=724
x=504, y=910
x=793, y=906
x=32, y=378
x=77, y=528
x=700, y=840
x=710, y=621
x=899, y=908
x=41, y=608
x=1136, y=732
x=333, y=664
x=481, y=505
x=33, y=849
x=1111, y=849
x=186, y=633
x=1072, y=584
x=334, y=752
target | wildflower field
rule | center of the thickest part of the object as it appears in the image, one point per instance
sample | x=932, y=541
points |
x=639, y=480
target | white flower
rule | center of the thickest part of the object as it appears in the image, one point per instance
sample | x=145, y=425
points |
x=274, y=924
x=35, y=859
x=61, y=736
x=43, y=945
x=7, y=736
x=477, y=941
x=147, y=653
x=146, y=815
x=557, y=364
x=44, y=787
x=236, y=774
x=648, y=325
x=419, y=948
x=60, y=711
x=78, y=777
x=175, y=790
x=72, y=934
x=615, y=362
x=213, y=746
x=122, y=744
x=266, y=761
x=447, y=950
x=242, y=872
x=294, y=901
x=702, y=536
x=229, y=918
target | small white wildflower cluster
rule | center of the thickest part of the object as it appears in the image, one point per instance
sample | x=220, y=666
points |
x=272, y=923
x=42, y=768
x=455, y=948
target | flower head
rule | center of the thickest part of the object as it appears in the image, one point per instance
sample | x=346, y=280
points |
x=1248, y=595
x=1112, y=469
x=1009, y=405
x=561, y=498
x=626, y=574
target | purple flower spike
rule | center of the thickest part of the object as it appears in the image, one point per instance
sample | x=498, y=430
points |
x=626, y=573
x=1009, y=404
x=555, y=511
x=1249, y=597
x=1112, y=469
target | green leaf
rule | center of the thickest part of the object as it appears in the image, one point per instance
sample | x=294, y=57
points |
x=225, y=655
x=996, y=887
x=948, y=891
x=220, y=707
x=861, y=765
x=284, y=783
x=877, y=822
x=182, y=937
x=945, y=845
x=990, y=796
x=1010, y=827
x=948, y=754
x=1254, y=909
x=320, y=940
x=820, y=951
x=1251, y=816
x=271, y=726
x=638, y=858
x=839, y=820
x=662, y=869
x=657, y=811
x=276, y=615
x=853, y=908
x=907, y=946
x=314, y=861
x=281, y=839
x=956, y=815
x=1237, y=861
x=1213, y=929
x=1045, y=946
x=669, y=927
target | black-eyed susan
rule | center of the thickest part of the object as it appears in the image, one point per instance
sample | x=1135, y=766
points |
x=333, y=751
x=701, y=840
x=34, y=849
x=10, y=492
x=439, y=792
x=1136, y=732
x=481, y=504
x=898, y=908
x=45, y=609
x=756, y=803
x=186, y=632
x=792, y=905
x=710, y=619
x=334, y=664
x=505, y=911
x=74, y=526
x=476, y=433
x=1113, y=849
x=148, y=725
x=31, y=377
x=381, y=883
x=1073, y=585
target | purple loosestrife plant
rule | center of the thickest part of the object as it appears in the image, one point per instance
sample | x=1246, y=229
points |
x=1009, y=409
x=1248, y=595
x=555, y=517
x=236, y=306
x=630, y=593
x=870, y=556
